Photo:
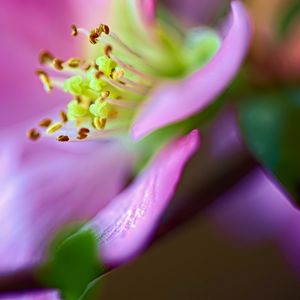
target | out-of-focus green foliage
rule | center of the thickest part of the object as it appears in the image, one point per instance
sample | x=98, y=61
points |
x=72, y=264
x=289, y=17
x=270, y=123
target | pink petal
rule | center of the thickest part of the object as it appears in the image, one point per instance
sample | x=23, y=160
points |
x=50, y=184
x=126, y=224
x=194, y=12
x=92, y=13
x=181, y=99
x=148, y=9
x=289, y=242
x=255, y=210
x=45, y=295
x=26, y=27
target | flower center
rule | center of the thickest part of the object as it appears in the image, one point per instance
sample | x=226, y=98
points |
x=107, y=89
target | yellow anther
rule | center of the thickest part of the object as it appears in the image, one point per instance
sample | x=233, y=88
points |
x=117, y=74
x=99, y=123
x=45, y=80
x=105, y=95
x=53, y=128
x=73, y=62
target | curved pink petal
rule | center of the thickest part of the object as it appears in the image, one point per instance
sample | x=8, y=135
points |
x=126, y=224
x=289, y=242
x=178, y=100
x=255, y=210
x=47, y=185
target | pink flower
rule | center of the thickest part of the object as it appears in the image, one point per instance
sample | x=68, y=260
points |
x=47, y=184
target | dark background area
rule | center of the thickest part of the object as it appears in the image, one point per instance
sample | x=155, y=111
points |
x=195, y=262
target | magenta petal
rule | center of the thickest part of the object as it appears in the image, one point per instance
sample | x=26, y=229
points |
x=176, y=101
x=126, y=224
x=148, y=8
x=27, y=27
x=47, y=185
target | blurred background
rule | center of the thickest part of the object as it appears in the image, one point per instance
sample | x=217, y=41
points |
x=234, y=224
x=196, y=262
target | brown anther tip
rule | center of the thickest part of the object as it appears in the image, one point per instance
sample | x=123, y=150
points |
x=45, y=57
x=63, y=138
x=74, y=31
x=78, y=99
x=82, y=136
x=58, y=64
x=86, y=66
x=45, y=123
x=83, y=131
x=33, y=134
x=105, y=94
x=63, y=116
x=41, y=72
x=105, y=28
x=73, y=62
x=108, y=50
x=99, y=74
x=94, y=35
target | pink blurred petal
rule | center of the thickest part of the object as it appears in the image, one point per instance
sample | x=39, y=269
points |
x=49, y=185
x=253, y=211
x=90, y=14
x=195, y=12
x=46, y=295
x=181, y=99
x=289, y=241
x=126, y=224
x=26, y=27
x=148, y=9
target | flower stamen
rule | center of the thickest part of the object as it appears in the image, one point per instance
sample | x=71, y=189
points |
x=54, y=127
x=63, y=138
x=45, y=80
x=33, y=134
x=45, y=123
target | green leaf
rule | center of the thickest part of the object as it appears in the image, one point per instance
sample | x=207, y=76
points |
x=270, y=125
x=72, y=263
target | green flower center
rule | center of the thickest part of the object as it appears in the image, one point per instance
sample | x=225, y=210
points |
x=106, y=90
